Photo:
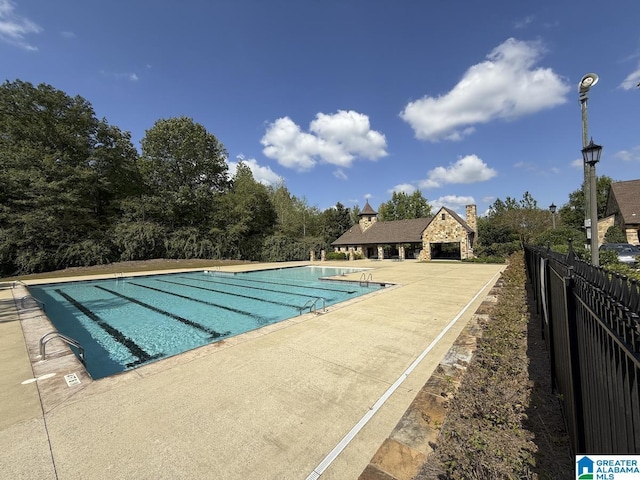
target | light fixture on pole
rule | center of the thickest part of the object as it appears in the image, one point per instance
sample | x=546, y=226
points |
x=588, y=81
x=591, y=155
x=552, y=209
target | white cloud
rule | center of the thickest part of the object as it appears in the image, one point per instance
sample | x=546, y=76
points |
x=522, y=23
x=454, y=202
x=15, y=28
x=632, y=155
x=340, y=175
x=505, y=86
x=488, y=199
x=469, y=169
x=132, y=77
x=338, y=139
x=261, y=174
x=403, y=188
x=632, y=80
x=578, y=163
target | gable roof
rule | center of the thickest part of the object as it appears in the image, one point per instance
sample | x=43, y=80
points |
x=396, y=231
x=627, y=196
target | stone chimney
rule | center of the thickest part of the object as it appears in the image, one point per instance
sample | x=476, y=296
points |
x=472, y=218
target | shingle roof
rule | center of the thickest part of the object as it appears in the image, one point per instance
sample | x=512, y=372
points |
x=397, y=231
x=627, y=195
x=367, y=210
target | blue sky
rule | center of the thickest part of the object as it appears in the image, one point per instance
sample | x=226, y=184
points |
x=349, y=100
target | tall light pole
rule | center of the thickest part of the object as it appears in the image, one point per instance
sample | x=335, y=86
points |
x=588, y=81
x=552, y=209
x=591, y=155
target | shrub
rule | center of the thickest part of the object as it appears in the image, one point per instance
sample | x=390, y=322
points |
x=497, y=249
x=615, y=234
x=489, y=259
x=483, y=436
x=335, y=256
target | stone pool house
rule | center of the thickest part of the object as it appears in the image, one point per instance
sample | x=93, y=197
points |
x=445, y=235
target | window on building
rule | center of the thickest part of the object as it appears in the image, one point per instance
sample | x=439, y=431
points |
x=442, y=216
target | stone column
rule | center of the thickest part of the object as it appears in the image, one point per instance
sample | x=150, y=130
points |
x=313, y=255
x=380, y=253
x=351, y=255
x=401, y=252
x=322, y=256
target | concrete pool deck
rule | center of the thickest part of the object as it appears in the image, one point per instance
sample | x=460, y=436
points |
x=268, y=404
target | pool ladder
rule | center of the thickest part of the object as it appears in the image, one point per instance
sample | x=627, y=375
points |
x=364, y=279
x=312, y=305
x=68, y=340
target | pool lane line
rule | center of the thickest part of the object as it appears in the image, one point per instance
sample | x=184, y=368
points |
x=262, y=289
x=202, y=328
x=116, y=334
x=212, y=304
x=236, y=277
x=274, y=302
x=346, y=440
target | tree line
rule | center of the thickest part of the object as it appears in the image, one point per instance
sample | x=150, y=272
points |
x=74, y=191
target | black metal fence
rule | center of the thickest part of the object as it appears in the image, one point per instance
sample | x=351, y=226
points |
x=590, y=320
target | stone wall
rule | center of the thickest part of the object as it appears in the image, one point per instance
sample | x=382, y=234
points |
x=366, y=221
x=603, y=226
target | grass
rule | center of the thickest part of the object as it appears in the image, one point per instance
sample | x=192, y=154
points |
x=128, y=267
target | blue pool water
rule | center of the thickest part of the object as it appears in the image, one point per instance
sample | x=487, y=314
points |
x=124, y=323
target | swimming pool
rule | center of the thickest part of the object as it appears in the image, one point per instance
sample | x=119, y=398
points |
x=123, y=323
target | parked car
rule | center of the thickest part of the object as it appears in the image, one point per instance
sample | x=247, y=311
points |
x=627, y=253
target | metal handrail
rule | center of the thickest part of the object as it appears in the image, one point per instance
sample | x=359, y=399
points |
x=364, y=279
x=68, y=340
x=312, y=305
x=40, y=303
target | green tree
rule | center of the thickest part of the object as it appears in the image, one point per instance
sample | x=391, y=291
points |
x=295, y=218
x=523, y=218
x=354, y=215
x=178, y=152
x=335, y=221
x=184, y=168
x=615, y=234
x=572, y=213
x=247, y=216
x=403, y=207
x=62, y=174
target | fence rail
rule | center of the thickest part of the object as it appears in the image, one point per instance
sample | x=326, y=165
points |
x=591, y=324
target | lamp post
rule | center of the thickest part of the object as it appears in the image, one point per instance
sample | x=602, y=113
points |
x=591, y=155
x=588, y=81
x=552, y=209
